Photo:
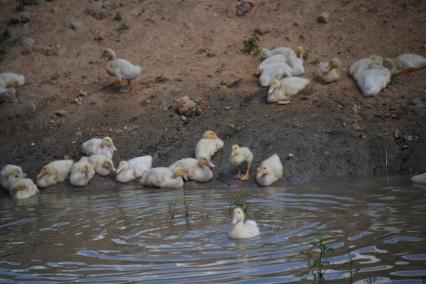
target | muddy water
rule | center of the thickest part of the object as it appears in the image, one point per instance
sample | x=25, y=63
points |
x=377, y=229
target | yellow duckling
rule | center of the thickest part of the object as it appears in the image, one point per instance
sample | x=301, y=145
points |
x=240, y=155
x=209, y=144
x=373, y=79
x=197, y=170
x=329, y=72
x=102, y=164
x=81, y=172
x=55, y=172
x=163, y=177
x=269, y=171
x=133, y=168
x=281, y=91
x=9, y=174
x=23, y=188
x=103, y=146
x=121, y=69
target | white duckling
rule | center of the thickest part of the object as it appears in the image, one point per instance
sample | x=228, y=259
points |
x=101, y=164
x=240, y=155
x=270, y=60
x=358, y=66
x=241, y=229
x=281, y=91
x=293, y=58
x=163, y=177
x=408, y=62
x=276, y=70
x=329, y=72
x=55, y=172
x=121, y=68
x=23, y=188
x=12, y=80
x=197, y=170
x=9, y=174
x=269, y=171
x=133, y=168
x=375, y=77
x=103, y=146
x=421, y=178
x=209, y=144
x=81, y=172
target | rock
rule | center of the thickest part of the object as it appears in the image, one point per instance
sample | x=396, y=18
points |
x=323, y=17
x=27, y=41
x=98, y=11
x=31, y=2
x=61, y=112
x=185, y=105
x=74, y=25
x=183, y=118
x=8, y=96
x=21, y=18
x=243, y=7
x=262, y=30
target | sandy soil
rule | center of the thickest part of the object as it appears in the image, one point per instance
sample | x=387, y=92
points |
x=196, y=46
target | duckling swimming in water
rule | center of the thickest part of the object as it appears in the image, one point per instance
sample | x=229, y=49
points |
x=242, y=228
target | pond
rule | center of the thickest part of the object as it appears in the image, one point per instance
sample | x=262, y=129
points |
x=375, y=228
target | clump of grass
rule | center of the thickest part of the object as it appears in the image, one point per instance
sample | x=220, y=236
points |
x=317, y=256
x=118, y=17
x=161, y=79
x=19, y=5
x=99, y=39
x=251, y=46
x=206, y=51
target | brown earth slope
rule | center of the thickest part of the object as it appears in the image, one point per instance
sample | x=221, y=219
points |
x=192, y=47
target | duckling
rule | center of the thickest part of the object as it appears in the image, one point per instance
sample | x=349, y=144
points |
x=197, y=170
x=208, y=145
x=162, y=177
x=269, y=171
x=23, y=188
x=293, y=58
x=81, y=172
x=102, y=164
x=241, y=229
x=133, y=168
x=276, y=70
x=9, y=174
x=55, y=172
x=12, y=80
x=240, y=155
x=121, y=68
x=362, y=64
x=419, y=178
x=282, y=90
x=408, y=62
x=270, y=60
x=375, y=77
x=329, y=72
x=103, y=146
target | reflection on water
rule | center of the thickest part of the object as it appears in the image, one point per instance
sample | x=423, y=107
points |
x=117, y=235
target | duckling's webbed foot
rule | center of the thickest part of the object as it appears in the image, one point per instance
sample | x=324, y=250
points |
x=114, y=83
x=129, y=87
x=238, y=175
x=286, y=102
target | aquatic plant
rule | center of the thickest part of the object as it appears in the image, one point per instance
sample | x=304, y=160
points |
x=172, y=207
x=317, y=257
x=238, y=202
x=251, y=45
x=186, y=207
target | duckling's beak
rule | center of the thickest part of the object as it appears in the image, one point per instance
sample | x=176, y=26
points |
x=271, y=90
x=233, y=153
x=119, y=170
x=113, y=168
x=261, y=173
x=185, y=178
x=40, y=174
x=210, y=164
x=234, y=220
x=113, y=147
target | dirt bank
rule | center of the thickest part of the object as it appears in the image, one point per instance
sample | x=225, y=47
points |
x=193, y=48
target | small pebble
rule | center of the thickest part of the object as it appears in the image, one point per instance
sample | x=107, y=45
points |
x=323, y=17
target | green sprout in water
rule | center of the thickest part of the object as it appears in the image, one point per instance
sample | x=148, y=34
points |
x=317, y=257
x=186, y=207
x=238, y=202
x=251, y=45
x=172, y=207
